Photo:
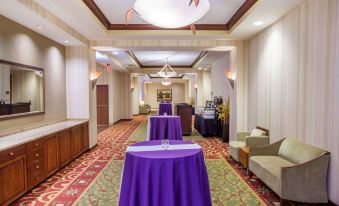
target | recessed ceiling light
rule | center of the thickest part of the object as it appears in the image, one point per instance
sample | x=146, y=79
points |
x=257, y=23
x=66, y=41
x=39, y=27
x=115, y=52
x=200, y=68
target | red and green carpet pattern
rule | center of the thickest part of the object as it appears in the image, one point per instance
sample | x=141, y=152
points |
x=94, y=178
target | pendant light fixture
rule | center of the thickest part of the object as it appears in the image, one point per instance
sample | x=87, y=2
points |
x=167, y=71
x=166, y=82
x=169, y=13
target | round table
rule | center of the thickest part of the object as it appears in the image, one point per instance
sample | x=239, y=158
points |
x=164, y=127
x=165, y=107
x=165, y=177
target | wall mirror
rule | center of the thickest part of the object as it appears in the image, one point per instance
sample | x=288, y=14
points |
x=22, y=90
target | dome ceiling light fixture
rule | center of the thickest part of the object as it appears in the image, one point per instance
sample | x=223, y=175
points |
x=167, y=71
x=169, y=13
x=166, y=82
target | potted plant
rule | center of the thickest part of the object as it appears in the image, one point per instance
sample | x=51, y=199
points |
x=223, y=112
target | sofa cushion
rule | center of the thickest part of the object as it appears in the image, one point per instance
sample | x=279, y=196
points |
x=257, y=132
x=237, y=144
x=298, y=152
x=268, y=169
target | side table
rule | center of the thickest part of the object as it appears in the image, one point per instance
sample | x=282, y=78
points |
x=243, y=156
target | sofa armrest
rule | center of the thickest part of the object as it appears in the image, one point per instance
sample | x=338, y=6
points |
x=306, y=182
x=241, y=136
x=254, y=141
x=267, y=150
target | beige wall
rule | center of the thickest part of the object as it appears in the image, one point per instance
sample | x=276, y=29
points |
x=19, y=44
x=120, y=95
x=293, y=83
x=203, y=88
x=178, y=93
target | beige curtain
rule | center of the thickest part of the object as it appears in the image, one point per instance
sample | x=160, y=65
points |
x=293, y=83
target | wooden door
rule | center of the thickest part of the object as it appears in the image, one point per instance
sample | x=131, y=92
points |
x=76, y=137
x=85, y=137
x=12, y=180
x=102, y=104
x=65, y=147
x=52, y=163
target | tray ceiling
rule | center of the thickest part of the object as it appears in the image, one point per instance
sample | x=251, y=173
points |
x=223, y=14
x=149, y=59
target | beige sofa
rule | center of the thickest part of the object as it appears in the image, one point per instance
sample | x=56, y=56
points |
x=258, y=137
x=292, y=169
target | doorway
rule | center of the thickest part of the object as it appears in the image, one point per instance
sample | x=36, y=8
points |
x=102, y=105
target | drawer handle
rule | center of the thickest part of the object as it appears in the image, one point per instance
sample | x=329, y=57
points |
x=36, y=144
x=37, y=155
x=37, y=167
x=11, y=154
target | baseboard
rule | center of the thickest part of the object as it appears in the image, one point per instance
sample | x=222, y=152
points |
x=92, y=148
x=121, y=120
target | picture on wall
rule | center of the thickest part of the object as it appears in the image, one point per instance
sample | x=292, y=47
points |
x=164, y=95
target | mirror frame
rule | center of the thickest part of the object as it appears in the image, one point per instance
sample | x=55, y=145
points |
x=14, y=116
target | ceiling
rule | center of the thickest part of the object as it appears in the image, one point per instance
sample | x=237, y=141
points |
x=152, y=61
x=159, y=58
x=76, y=17
x=73, y=23
x=222, y=14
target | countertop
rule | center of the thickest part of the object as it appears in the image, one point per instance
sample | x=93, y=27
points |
x=13, y=140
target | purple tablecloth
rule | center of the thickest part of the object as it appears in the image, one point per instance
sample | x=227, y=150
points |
x=165, y=108
x=165, y=178
x=165, y=127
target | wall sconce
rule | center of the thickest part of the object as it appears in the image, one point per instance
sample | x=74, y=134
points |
x=132, y=89
x=95, y=78
x=231, y=78
x=196, y=87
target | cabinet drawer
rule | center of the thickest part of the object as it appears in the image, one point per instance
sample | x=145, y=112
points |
x=12, y=153
x=35, y=180
x=35, y=169
x=36, y=144
x=35, y=156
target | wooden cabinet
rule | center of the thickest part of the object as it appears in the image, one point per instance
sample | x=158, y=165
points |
x=52, y=158
x=35, y=162
x=25, y=166
x=76, y=138
x=12, y=180
x=12, y=153
x=85, y=137
x=65, y=147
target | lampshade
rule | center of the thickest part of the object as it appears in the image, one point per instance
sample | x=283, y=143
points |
x=166, y=82
x=171, y=13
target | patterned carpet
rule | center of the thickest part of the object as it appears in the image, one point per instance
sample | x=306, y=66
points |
x=94, y=178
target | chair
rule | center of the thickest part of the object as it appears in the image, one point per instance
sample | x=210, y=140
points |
x=144, y=109
x=258, y=137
